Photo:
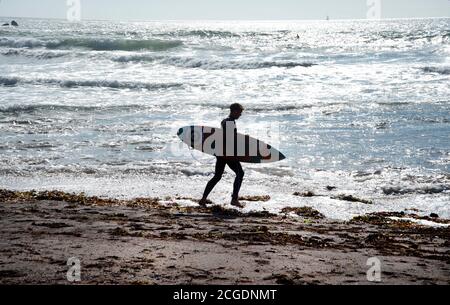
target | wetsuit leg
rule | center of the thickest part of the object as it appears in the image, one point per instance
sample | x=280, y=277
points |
x=220, y=167
x=237, y=169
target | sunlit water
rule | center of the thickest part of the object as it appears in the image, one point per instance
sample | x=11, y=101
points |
x=362, y=106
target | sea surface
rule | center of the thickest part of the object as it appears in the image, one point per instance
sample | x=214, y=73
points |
x=361, y=107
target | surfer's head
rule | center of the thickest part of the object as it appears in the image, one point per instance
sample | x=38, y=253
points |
x=236, y=111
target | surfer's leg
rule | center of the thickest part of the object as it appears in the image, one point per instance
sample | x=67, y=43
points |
x=220, y=167
x=237, y=168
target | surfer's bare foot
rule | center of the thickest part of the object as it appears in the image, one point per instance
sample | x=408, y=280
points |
x=236, y=203
x=203, y=202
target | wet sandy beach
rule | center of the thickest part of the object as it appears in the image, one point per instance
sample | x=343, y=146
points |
x=143, y=241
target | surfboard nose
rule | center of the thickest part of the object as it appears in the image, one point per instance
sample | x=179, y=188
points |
x=282, y=157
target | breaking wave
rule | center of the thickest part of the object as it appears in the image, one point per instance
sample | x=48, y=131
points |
x=35, y=53
x=439, y=70
x=202, y=34
x=397, y=190
x=113, y=84
x=9, y=81
x=29, y=109
x=190, y=62
x=93, y=44
x=177, y=61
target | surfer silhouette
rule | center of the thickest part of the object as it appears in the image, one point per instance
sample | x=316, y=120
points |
x=235, y=165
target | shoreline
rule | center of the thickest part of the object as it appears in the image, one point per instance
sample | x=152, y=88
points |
x=142, y=241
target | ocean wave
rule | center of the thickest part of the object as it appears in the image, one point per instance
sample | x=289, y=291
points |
x=177, y=61
x=34, y=53
x=29, y=109
x=264, y=107
x=9, y=81
x=190, y=62
x=288, y=64
x=432, y=189
x=279, y=108
x=411, y=36
x=232, y=65
x=21, y=43
x=137, y=58
x=112, y=84
x=116, y=84
x=93, y=44
x=201, y=34
x=439, y=70
x=108, y=169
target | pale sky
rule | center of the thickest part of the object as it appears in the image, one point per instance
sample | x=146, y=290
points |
x=224, y=9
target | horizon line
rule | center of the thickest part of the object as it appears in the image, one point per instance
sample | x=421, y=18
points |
x=213, y=19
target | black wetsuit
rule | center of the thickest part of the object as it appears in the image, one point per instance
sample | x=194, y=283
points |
x=235, y=165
